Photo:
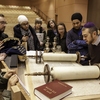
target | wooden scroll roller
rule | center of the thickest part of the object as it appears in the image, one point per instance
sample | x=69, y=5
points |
x=38, y=56
x=62, y=57
x=69, y=72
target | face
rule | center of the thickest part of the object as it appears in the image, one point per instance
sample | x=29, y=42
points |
x=76, y=24
x=2, y=24
x=89, y=38
x=52, y=25
x=25, y=25
x=61, y=29
x=38, y=25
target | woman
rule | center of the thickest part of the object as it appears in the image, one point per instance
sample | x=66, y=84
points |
x=51, y=31
x=62, y=33
x=26, y=33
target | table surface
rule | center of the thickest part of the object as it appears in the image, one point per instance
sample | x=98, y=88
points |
x=80, y=87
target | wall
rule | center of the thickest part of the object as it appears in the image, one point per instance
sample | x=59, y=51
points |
x=46, y=6
x=94, y=12
x=59, y=10
x=65, y=8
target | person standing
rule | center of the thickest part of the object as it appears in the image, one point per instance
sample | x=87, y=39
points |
x=62, y=34
x=51, y=31
x=40, y=31
x=74, y=41
x=90, y=35
x=26, y=33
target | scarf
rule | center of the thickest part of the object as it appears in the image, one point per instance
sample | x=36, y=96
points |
x=30, y=42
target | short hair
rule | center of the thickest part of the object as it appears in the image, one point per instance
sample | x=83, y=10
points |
x=91, y=27
x=38, y=21
x=76, y=16
x=1, y=15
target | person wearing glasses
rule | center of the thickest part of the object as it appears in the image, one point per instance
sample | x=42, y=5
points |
x=26, y=33
x=2, y=27
x=7, y=47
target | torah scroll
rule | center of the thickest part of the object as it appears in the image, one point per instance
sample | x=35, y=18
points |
x=60, y=57
x=73, y=73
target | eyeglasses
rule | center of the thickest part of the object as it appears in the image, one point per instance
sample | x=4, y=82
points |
x=3, y=22
x=24, y=24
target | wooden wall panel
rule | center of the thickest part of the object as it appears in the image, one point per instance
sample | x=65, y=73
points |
x=94, y=12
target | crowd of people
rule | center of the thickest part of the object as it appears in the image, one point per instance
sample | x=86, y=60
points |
x=84, y=39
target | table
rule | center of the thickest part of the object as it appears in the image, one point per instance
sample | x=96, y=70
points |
x=82, y=89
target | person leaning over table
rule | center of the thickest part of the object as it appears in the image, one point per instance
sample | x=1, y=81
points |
x=7, y=80
x=12, y=47
x=74, y=40
x=90, y=35
x=26, y=33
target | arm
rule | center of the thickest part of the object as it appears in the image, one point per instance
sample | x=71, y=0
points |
x=17, y=32
x=76, y=44
x=70, y=43
x=6, y=95
x=81, y=43
x=4, y=78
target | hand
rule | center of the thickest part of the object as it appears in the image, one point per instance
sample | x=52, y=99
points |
x=74, y=42
x=1, y=43
x=41, y=43
x=9, y=73
x=25, y=38
x=2, y=56
x=12, y=81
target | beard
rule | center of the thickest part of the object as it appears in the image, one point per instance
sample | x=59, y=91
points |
x=2, y=30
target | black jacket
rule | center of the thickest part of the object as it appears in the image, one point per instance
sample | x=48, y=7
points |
x=18, y=34
x=51, y=35
x=62, y=43
x=3, y=36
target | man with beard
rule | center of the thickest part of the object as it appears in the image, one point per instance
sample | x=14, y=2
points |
x=8, y=48
x=90, y=35
x=2, y=27
x=74, y=41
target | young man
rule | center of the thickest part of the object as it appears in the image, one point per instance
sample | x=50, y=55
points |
x=26, y=33
x=90, y=35
x=10, y=45
x=74, y=41
x=6, y=81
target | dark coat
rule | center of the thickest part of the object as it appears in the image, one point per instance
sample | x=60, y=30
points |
x=75, y=43
x=51, y=35
x=17, y=33
x=62, y=43
x=3, y=36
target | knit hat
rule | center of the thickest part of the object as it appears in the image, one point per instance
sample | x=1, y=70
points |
x=22, y=18
x=89, y=25
x=76, y=16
